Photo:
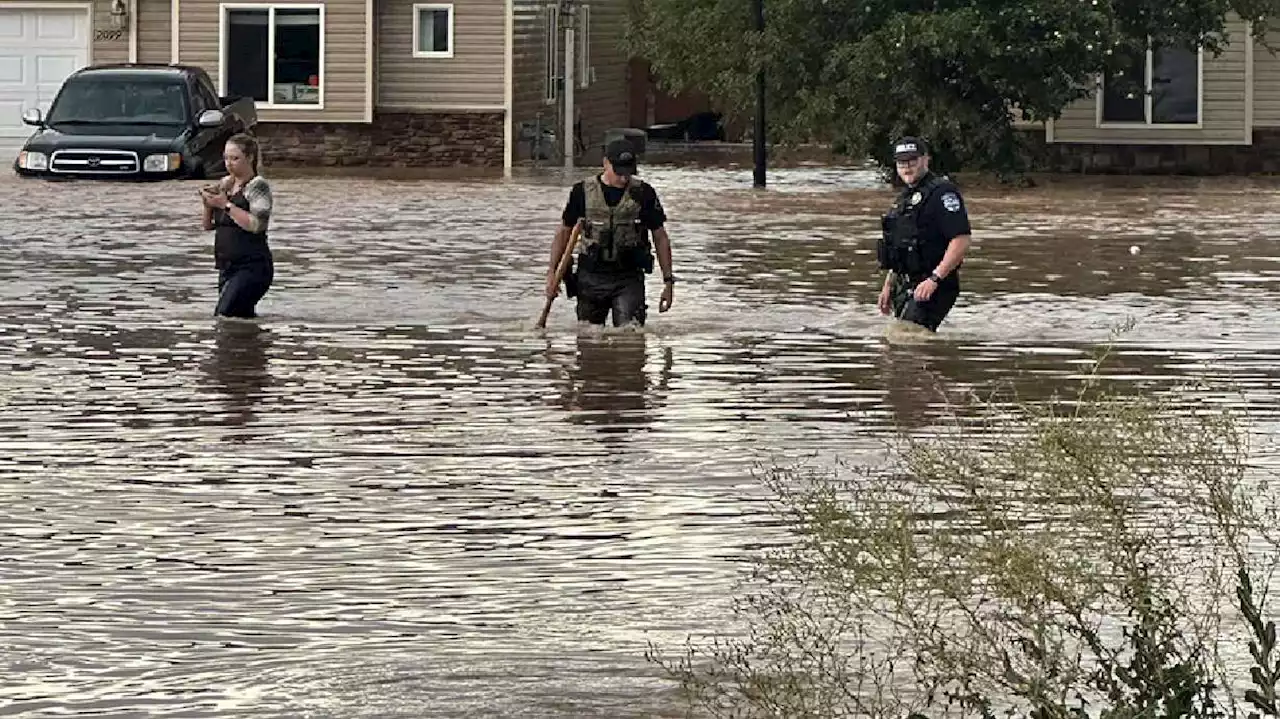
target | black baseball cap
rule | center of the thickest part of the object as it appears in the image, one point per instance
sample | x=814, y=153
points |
x=622, y=155
x=909, y=148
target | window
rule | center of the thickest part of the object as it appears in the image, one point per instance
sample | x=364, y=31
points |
x=582, y=39
x=553, y=55
x=202, y=99
x=274, y=54
x=1158, y=87
x=205, y=87
x=432, y=30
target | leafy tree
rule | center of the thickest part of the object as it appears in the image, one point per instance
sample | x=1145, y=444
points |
x=857, y=73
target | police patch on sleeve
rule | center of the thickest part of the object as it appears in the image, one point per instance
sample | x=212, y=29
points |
x=951, y=201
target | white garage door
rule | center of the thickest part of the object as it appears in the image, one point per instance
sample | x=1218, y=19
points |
x=39, y=48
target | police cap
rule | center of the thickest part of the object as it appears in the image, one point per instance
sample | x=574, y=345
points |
x=909, y=148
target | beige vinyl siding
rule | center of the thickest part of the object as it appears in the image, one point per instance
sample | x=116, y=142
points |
x=1266, y=84
x=343, y=76
x=1222, y=109
x=153, y=30
x=471, y=79
x=603, y=105
x=113, y=47
x=529, y=85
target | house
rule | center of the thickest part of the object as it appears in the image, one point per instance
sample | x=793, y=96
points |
x=1201, y=114
x=346, y=82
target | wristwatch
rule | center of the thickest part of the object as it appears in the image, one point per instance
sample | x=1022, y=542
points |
x=669, y=280
x=934, y=276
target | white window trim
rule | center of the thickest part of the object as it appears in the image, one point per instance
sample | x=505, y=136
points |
x=417, y=9
x=551, y=59
x=583, y=42
x=271, y=51
x=1147, y=124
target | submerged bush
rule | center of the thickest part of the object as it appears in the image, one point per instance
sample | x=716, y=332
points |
x=1097, y=557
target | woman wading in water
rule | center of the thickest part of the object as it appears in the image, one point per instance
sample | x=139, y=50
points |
x=238, y=209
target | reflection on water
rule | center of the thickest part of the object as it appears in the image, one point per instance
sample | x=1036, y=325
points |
x=391, y=496
x=610, y=384
x=915, y=386
x=237, y=366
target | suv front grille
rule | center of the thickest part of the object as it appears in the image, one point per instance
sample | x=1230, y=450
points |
x=98, y=162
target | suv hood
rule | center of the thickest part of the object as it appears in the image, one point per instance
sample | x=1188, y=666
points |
x=143, y=138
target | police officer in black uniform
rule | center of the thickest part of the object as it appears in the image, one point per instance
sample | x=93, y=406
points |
x=926, y=235
x=624, y=225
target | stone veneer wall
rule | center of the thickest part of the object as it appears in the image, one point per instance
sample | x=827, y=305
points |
x=392, y=140
x=1262, y=157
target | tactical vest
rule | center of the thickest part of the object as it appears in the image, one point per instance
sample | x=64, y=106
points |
x=901, y=247
x=614, y=237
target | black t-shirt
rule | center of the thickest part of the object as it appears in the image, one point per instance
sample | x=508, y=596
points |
x=652, y=215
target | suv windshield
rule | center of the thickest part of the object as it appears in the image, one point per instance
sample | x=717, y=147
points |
x=120, y=101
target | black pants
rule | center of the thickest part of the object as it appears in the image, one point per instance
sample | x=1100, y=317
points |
x=929, y=313
x=600, y=293
x=241, y=285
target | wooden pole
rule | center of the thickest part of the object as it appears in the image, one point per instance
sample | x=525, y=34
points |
x=565, y=259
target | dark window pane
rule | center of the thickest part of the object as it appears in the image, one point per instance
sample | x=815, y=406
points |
x=297, y=80
x=246, y=50
x=1122, y=91
x=1175, y=86
x=433, y=30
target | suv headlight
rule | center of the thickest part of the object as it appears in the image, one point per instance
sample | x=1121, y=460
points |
x=162, y=163
x=28, y=160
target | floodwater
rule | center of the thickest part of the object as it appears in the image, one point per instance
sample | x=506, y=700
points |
x=393, y=497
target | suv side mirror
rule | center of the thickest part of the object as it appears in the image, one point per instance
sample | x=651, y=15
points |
x=210, y=118
x=33, y=116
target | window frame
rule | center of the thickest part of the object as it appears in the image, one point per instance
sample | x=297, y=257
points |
x=432, y=54
x=1147, y=122
x=224, y=11
x=551, y=57
x=582, y=43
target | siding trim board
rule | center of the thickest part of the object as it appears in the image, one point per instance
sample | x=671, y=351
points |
x=175, y=31
x=427, y=109
x=133, y=31
x=1149, y=70
x=508, y=85
x=370, y=57
x=1248, y=83
x=223, y=18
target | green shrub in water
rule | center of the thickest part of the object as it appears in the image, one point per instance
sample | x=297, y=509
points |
x=1103, y=557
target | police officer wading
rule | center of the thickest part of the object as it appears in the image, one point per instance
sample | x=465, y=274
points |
x=614, y=250
x=925, y=237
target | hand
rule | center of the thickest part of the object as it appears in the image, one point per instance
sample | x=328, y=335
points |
x=215, y=198
x=885, y=300
x=925, y=289
x=553, y=286
x=664, y=303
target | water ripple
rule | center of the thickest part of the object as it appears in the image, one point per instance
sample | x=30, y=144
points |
x=393, y=497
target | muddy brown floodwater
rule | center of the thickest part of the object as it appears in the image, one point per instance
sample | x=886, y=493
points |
x=393, y=497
